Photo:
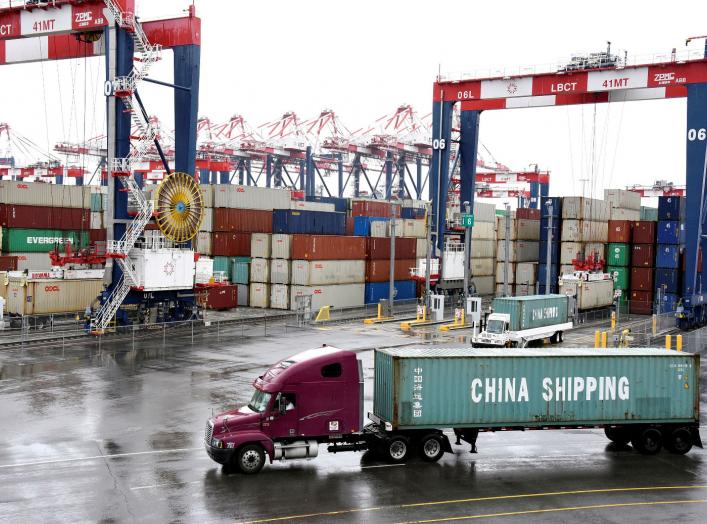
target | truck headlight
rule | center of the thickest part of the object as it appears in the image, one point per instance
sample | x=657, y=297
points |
x=216, y=443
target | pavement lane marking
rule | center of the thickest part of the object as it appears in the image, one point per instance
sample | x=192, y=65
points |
x=151, y=486
x=557, y=510
x=94, y=457
x=382, y=466
x=476, y=499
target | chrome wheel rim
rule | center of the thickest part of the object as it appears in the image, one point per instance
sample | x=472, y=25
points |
x=250, y=460
x=431, y=447
x=398, y=449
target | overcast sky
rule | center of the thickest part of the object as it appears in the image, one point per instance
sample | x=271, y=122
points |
x=364, y=58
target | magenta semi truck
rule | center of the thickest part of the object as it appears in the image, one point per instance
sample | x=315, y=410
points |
x=648, y=397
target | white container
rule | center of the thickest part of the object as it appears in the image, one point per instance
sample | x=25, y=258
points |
x=207, y=195
x=570, y=251
x=482, y=267
x=624, y=214
x=202, y=243
x=620, y=198
x=42, y=297
x=526, y=272
x=279, y=296
x=251, y=197
x=96, y=221
x=399, y=227
x=523, y=290
x=339, y=295
x=511, y=272
x=279, y=271
x=260, y=245
x=421, y=248
x=482, y=248
x=311, y=206
x=483, y=231
x=207, y=224
x=280, y=246
x=484, y=212
x=414, y=228
x=597, y=248
x=566, y=269
x=521, y=229
x=379, y=229
x=32, y=261
x=204, y=270
x=326, y=272
x=259, y=295
x=580, y=208
x=259, y=270
x=163, y=269
x=243, y=292
x=584, y=231
x=519, y=250
x=40, y=194
x=484, y=284
x=589, y=294
x=82, y=274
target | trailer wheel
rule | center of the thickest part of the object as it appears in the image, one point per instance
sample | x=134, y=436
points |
x=250, y=459
x=648, y=441
x=431, y=448
x=560, y=337
x=679, y=441
x=618, y=435
x=397, y=449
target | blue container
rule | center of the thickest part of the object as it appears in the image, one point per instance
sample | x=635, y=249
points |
x=544, y=230
x=553, y=289
x=667, y=256
x=556, y=207
x=294, y=221
x=554, y=274
x=374, y=291
x=671, y=208
x=362, y=225
x=412, y=212
x=670, y=232
x=554, y=252
x=668, y=280
x=668, y=302
x=341, y=205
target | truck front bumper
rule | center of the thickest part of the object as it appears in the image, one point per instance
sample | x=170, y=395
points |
x=220, y=455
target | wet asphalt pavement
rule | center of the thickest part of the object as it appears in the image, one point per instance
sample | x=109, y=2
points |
x=116, y=435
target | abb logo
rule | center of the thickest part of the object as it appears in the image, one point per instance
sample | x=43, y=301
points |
x=51, y=289
x=240, y=190
x=22, y=186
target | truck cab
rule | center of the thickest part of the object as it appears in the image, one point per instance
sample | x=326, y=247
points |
x=496, y=332
x=313, y=397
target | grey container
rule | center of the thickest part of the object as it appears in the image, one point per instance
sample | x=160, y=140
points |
x=492, y=388
x=534, y=311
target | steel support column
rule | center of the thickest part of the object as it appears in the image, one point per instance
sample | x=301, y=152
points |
x=468, y=150
x=340, y=173
x=418, y=175
x=187, y=66
x=268, y=171
x=401, y=176
x=388, y=175
x=535, y=195
x=224, y=177
x=204, y=176
x=439, y=167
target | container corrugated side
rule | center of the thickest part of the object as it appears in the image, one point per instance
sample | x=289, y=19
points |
x=533, y=312
x=584, y=231
x=589, y=294
x=340, y=295
x=40, y=194
x=582, y=208
x=240, y=271
x=484, y=212
x=482, y=267
x=259, y=295
x=379, y=270
x=43, y=297
x=242, y=220
x=520, y=229
x=484, y=284
x=519, y=250
x=620, y=198
x=500, y=268
x=624, y=214
x=43, y=217
x=322, y=247
x=260, y=270
x=279, y=272
x=251, y=197
x=321, y=272
x=281, y=246
x=207, y=224
x=40, y=240
x=260, y=245
x=483, y=249
x=483, y=231
x=635, y=386
x=32, y=261
x=280, y=296
x=526, y=272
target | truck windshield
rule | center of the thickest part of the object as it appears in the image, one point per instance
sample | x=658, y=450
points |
x=495, y=326
x=259, y=401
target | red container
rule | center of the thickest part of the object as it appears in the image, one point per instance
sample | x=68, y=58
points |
x=219, y=297
x=242, y=220
x=642, y=279
x=643, y=232
x=151, y=226
x=328, y=247
x=641, y=302
x=230, y=244
x=527, y=212
x=620, y=231
x=379, y=270
x=642, y=255
x=96, y=235
x=8, y=263
x=378, y=248
x=371, y=208
x=349, y=226
x=35, y=217
x=699, y=260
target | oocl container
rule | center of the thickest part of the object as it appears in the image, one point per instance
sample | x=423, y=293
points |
x=482, y=387
x=202, y=243
x=281, y=246
x=620, y=198
x=260, y=245
x=484, y=284
x=642, y=279
x=581, y=208
x=8, y=263
x=584, y=231
x=43, y=297
x=242, y=220
x=279, y=296
x=219, y=297
x=251, y=197
x=482, y=249
x=259, y=295
x=259, y=270
x=501, y=269
x=570, y=251
x=44, y=217
x=40, y=240
x=370, y=208
x=519, y=251
x=240, y=272
x=340, y=295
x=279, y=272
x=321, y=247
x=325, y=272
x=520, y=229
x=482, y=267
x=589, y=294
x=33, y=261
x=40, y=194
x=526, y=272
x=379, y=270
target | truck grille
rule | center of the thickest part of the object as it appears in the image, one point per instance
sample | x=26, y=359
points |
x=208, y=433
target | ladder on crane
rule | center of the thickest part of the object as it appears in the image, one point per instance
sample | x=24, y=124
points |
x=122, y=168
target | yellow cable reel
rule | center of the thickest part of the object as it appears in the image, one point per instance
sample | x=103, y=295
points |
x=179, y=207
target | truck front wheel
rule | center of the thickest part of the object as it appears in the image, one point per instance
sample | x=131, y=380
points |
x=250, y=459
x=431, y=448
x=397, y=449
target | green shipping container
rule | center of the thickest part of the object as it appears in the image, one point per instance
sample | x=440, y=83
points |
x=623, y=303
x=223, y=264
x=96, y=202
x=532, y=311
x=621, y=276
x=618, y=254
x=40, y=240
x=496, y=387
x=240, y=270
x=649, y=213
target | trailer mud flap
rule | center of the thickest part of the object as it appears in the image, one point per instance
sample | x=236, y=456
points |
x=696, y=440
x=447, y=446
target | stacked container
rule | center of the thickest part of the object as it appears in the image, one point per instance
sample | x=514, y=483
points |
x=618, y=258
x=551, y=264
x=584, y=230
x=377, y=274
x=670, y=236
x=483, y=248
x=523, y=251
x=623, y=205
x=642, y=267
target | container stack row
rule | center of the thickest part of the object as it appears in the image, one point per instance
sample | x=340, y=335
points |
x=522, y=229
x=483, y=248
x=549, y=249
x=584, y=231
